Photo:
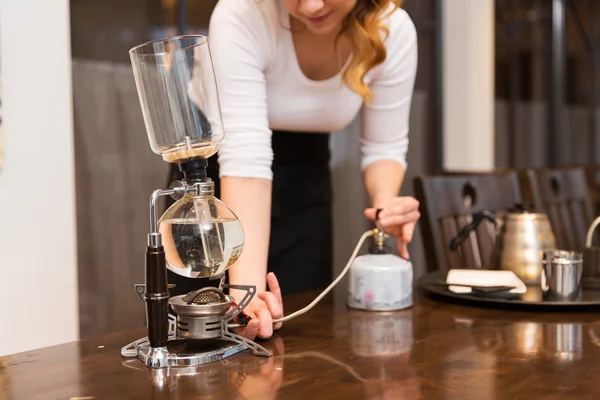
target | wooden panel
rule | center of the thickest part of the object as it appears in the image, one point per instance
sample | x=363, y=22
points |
x=453, y=259
x=578, y=220
x=467, y=248
x=569, y=233
x=486, y=234
x=557, y=227
x=106, y=30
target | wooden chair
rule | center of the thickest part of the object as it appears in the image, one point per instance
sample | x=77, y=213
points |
x=447, y=204
x=563, y=194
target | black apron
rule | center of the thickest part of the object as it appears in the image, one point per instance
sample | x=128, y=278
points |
x=300, y=247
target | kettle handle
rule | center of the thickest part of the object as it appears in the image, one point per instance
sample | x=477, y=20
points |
x=467, y=229
x=590, y=232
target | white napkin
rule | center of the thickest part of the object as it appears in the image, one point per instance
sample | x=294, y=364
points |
x=481, y=277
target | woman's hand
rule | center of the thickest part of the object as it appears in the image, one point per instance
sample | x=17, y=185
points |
x=263, y=309
x=398, y=219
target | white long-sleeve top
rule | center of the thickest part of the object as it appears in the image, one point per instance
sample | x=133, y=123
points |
x=262, y=88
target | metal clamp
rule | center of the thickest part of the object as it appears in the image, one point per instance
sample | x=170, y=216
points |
x=232, y=313
x=178, y=189
x=204, y=188
x=140, y=289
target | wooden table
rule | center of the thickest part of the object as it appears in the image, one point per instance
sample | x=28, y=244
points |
x=431, y=351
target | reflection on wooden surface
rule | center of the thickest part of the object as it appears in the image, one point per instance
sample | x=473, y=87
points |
x=432, y=350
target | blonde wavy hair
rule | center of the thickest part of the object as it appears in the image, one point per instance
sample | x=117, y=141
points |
x=362, y=29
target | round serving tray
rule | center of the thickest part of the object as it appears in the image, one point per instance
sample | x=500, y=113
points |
x=529, y=301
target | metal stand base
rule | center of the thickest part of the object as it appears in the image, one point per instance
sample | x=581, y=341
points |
x=162, y=358
x=180, y=352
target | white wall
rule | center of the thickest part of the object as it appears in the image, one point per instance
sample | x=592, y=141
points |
x=468, y=76
x=38, y=281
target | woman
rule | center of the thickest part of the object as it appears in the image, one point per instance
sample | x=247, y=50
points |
x=289, y=73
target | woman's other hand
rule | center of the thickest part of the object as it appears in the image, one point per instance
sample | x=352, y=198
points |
x=263, y=309
x=398, y=219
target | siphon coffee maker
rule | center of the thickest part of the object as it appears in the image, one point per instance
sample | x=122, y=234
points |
x=198, y=237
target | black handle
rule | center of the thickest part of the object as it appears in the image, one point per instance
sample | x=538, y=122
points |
x=467, y=229
x=157, y=296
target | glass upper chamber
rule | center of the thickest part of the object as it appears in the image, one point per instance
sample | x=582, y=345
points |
x=202, y=237
x=177, y=88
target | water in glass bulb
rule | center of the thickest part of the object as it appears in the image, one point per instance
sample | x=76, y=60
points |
x=201, y=236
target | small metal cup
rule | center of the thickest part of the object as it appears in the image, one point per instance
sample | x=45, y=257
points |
x=561, y=275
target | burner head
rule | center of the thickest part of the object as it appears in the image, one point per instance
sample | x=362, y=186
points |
x=207, y=295
x=205, y=302
x=202, y=298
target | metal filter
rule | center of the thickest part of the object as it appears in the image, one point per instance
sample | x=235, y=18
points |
x=202, y=298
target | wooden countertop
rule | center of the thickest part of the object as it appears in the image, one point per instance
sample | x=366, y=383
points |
x=431, y=351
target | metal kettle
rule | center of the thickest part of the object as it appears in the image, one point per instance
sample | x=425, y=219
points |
x=521, y=239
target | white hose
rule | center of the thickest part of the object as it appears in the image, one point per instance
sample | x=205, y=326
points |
x=324, y=293
x=331, y=286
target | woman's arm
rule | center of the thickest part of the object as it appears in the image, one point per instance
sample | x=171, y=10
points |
x=241, y=47
x=383, y=180
x=384, y=141
x=251, y=200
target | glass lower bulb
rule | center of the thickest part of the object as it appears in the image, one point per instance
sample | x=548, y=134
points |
x=202, y=237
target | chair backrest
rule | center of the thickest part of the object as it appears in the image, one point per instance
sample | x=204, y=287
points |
x=563, y=194
x=447, y=204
